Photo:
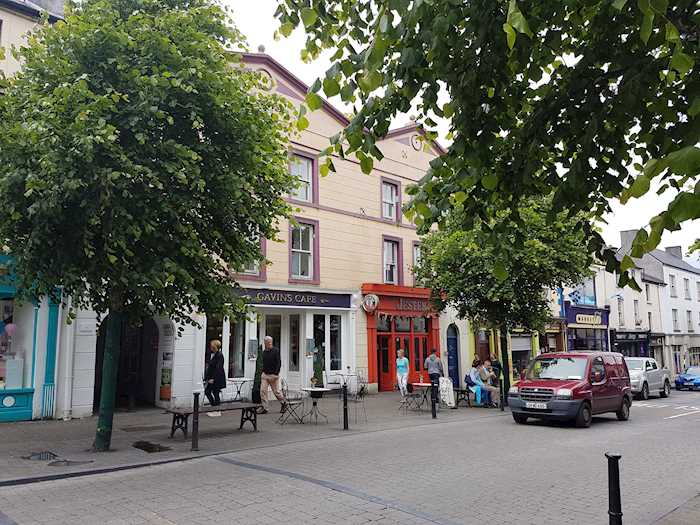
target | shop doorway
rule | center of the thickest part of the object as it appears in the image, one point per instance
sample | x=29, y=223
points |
x=138, y=366
x=453, y=354
x=401, y=333
x=483, y=345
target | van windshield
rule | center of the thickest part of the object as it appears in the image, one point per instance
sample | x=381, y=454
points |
x=557, y=368
x=634, y=364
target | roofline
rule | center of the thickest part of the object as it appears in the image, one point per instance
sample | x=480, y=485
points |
x=694, y=270
x=27, y=10
x=264, y=58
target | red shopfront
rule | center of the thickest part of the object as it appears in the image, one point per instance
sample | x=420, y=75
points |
x=400, y=320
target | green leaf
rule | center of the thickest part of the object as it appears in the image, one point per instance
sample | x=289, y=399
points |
x=490, y=92
x=619, y=4
x=681, y=62
x=309, y=16
x=331, y=87
x=314, y=101
x=490, y=182
x=510, y=34
x=647, y=25
x=384, y=23
x=370, y=81
x=499, y=271
x=460, y=197
x=366, y=163
x=660, y=6
x=302, y=123
x=672, y=35
x=111, y=258
x=684, y=207
x=626, y=264
x=286, y=29
x=448, y=110
x=639, y=187
x=694, y=107
x=517, y=20
x=639, y=242
x=644, y=6
x=685, y=161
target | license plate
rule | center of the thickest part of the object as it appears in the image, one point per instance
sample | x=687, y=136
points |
x=689, y=384
x=540, y=406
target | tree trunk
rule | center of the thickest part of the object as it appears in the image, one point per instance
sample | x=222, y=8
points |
x=505, y=362
x=110, y=368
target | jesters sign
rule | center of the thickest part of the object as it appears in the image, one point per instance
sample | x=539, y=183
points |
x=261, y=296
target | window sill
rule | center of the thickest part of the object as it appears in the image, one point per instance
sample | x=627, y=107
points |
x=250, y=277
x=293, y=280
x=311, y=204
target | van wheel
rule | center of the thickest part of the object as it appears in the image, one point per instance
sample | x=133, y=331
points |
x=644, y=394
x=520, y=419
x=584, y=416
x=667, y=389
x=624, y=413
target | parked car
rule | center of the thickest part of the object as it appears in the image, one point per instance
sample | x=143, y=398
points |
x=647, y=376
x=689, y=379
x=573, y=386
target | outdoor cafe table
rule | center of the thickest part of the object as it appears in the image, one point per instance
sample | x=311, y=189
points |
x=316, y=393
x=426, y=391
x=239, y=382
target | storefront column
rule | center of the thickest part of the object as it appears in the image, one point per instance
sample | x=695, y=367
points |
x=252, y=344
x=48, y=390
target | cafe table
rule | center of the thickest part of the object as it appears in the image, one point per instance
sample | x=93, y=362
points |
x=426, y=390
x=315, y=393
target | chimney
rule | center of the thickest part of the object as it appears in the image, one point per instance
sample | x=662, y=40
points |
x=675, y=251
x=626, y=237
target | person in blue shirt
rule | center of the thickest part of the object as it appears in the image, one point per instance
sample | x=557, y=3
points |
x=402, y=373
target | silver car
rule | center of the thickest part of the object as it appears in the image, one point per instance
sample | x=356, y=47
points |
x=647, y=376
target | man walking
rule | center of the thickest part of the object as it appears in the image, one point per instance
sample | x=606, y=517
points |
x=433, y=365
x=270, y=375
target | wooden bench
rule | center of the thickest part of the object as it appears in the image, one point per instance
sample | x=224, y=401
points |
x=462, y=394
x=249, y=413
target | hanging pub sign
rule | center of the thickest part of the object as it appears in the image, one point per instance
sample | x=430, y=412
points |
x=370, y=303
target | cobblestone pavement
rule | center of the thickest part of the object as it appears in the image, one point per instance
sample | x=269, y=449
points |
x=457, y=470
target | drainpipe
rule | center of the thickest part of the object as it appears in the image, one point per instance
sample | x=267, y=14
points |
x=68, y=348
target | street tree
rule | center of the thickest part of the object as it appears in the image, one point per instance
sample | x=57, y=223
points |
x=505, y=286
x=588, y=100
x=139, y=166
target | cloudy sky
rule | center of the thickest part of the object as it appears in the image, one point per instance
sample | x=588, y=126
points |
x=256, y=20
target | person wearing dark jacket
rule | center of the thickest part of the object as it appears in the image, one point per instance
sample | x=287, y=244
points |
x=270, y=377
x=215, y=377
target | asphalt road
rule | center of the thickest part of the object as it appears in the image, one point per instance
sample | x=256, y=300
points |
x=486, y=470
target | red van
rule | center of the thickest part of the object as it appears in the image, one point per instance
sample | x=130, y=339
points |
x=573, y=386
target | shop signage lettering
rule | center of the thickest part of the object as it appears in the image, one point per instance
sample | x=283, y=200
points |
x=586, y=316
x=588, y=319
x=415, y=305
x=287, y=298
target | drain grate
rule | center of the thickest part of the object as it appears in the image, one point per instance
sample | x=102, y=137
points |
x=68, y=463
x=41, y=456
x=145, y=428
x=149, y=447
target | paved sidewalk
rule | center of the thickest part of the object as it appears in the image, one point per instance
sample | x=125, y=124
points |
x=686, y=514
x=71, y=440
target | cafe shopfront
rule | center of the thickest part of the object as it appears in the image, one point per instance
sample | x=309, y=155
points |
x=398, y=318
x=586, y=328
x=631, y=344
x=310, y=328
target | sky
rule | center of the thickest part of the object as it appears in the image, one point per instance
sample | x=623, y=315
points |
x=255, y=19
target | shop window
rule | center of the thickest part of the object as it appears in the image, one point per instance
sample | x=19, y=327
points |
x=319, y=324
x=391, y=201
x=620, y=311
x=15, y=350
x=420, y=324
x=302, y=169
x=637, y=319
x=294, y=338
x=303, y=252
x=392, y=261
x=403, y=324
x=273, y=328
x=215, y=330
x=236, y=349
x=384, y=350
x=383, y=323
x=336, y=338
x=689, y=319
x=647, y=292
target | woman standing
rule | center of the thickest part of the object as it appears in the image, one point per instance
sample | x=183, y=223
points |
x=215, y=377
x=402, y=373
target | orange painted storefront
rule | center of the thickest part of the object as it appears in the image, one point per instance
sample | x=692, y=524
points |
x=403, y=319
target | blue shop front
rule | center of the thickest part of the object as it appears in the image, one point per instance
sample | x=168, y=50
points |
x=28, y=348
x=586, y=328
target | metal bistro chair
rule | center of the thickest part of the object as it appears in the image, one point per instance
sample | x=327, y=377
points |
x=294, y=405
x=359, y=393
x=411, y=401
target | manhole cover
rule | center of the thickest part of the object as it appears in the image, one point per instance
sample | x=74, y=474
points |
x=144, y=428
x=41, y=456
x=150, y=447
x=67, y=463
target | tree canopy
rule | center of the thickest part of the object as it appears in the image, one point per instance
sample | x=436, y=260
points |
x=138, y=165
x=590, y=100
x=505, y=286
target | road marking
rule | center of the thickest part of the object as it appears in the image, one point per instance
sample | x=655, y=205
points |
x=684, y=414
x=681, y=407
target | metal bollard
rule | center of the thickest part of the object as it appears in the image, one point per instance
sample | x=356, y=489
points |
x=195, y=423
x=433, y=398
x=345, y=405
x=500, y=393
x=615, y=503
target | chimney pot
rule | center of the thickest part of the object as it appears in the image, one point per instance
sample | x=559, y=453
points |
x=675, y=251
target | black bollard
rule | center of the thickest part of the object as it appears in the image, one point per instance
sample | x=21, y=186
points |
x=345, y=405
x=433, y=398
x=500, y=393
x=195, y=423
x=615, y=503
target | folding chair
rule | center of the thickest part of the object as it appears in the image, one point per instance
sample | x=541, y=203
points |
x=294, y=407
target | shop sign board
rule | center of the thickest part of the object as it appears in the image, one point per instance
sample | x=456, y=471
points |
x=295, y=298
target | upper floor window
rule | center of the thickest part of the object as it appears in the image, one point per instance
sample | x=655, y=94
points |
x=674, y=317
x=689, y=319
x=698, y=285
x=672, y=284
x=620, y=311
x=302, y=169
x=647, y=292
x=390, y=200
x=585, y=293
x=686, y=288
x=254, y=270
x=303, y=252
x=392, y=261
x=649, y=319
x=637, y=319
